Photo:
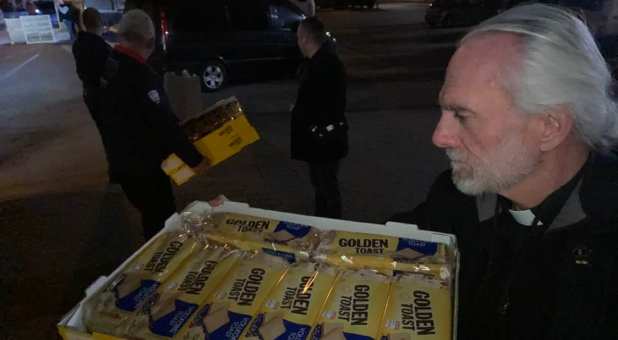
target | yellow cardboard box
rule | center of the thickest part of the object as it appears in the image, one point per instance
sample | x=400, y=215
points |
x=227, y=140
x=217, y=146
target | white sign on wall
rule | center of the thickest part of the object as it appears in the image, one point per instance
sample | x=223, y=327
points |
x=37, y=29
x=16, y=33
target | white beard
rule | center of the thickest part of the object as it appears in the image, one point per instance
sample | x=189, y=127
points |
x=504, y=166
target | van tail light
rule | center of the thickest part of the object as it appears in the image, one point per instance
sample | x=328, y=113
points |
x=164, y=30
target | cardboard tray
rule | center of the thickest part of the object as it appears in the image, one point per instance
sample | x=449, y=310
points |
x=71, y=326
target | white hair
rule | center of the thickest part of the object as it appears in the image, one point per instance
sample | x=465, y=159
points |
x=136, y=25
x=561, y=66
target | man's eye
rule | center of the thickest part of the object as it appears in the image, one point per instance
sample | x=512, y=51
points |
x=458, y=115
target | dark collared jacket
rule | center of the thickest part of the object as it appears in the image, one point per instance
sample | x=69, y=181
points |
x=137, y=125
x=90, y=52
x=558, y=280
x=319, y=127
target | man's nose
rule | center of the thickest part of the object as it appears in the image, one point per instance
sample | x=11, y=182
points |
x=445, y=133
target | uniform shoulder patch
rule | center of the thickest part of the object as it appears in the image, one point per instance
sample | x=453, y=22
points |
x=154, y=96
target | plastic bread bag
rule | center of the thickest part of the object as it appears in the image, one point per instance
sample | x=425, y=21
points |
x=419, y=308
x=249, y=233
x=291, y=310
x=109, y=310
x=382, y=252
x=212, y=118
x=354, y=308
x=164, y=315
x=227, y=313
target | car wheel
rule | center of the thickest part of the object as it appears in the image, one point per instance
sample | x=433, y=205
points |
x=214, y=75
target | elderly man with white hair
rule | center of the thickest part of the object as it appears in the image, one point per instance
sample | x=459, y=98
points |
x=137, y=125
x=528, y=123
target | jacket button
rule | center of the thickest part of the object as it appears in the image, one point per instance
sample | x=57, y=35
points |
x=582, y=255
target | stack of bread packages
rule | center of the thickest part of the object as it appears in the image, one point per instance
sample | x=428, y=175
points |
x=234, y=276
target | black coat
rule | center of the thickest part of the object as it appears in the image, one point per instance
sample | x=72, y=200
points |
x=90, y=52
x=520, y=282
x=137, y=125
x=319, y=127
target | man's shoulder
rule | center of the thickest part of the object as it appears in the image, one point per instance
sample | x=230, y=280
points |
x=101, y=43
x=133, y=71
x=88, y=40
x=327, y=55
x=599, y=188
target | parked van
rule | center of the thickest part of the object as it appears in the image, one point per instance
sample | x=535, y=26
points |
x=222, y=40
x=345, y=3
x=453, y=13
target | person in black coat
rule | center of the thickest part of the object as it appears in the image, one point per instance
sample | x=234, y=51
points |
x=91, y=52
x=532, y=195
x=319, y=130
x=137, y=125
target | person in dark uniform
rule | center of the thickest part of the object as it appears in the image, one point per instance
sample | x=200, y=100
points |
x=319, y=130
x=532, y=193
x=91, y=52
x=137, y=125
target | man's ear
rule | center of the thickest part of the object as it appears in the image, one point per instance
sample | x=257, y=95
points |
x=556, y=126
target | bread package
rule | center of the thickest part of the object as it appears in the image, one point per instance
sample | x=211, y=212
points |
x=291, y=310
x=295, y=241
x=419, y=307
x=382, y=252
x=109, y=310
x=164, y=315
x=354, y=308
x=227, y=313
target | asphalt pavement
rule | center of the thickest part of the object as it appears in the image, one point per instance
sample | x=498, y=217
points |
x=64, y=226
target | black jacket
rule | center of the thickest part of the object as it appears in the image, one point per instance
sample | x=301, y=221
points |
x=319, y=127
x=137, y=125
x=556, y=281
x=90, y=52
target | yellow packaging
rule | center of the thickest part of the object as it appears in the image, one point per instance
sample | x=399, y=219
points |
x=218, y=133
x=290, y=240
x=176, y=301
x=177, y=170
x=362, y=250
x=355, y=307
x=217, y=146
x=227, y=313
x=291, y=310
x=418, y=308
x=111, y=308
x=227, y=140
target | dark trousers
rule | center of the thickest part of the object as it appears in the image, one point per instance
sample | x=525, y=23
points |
x=152, y=195
x=92, y=98
x=326, y=186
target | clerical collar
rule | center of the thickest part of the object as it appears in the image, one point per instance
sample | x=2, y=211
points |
x=544, y=213
x=525, y=217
